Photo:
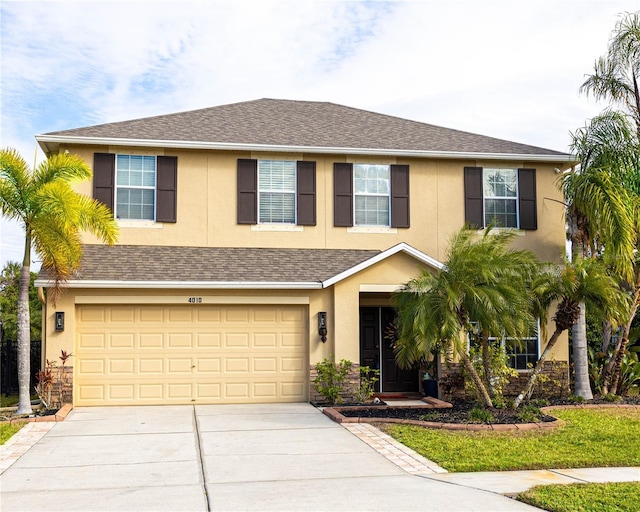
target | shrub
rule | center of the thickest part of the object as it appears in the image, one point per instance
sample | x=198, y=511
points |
x=368, y=379
x=480, y=415
x=530, y=414
x=331, y=378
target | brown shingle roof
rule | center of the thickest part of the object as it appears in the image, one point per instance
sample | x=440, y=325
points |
x=214, y=264
x=274, y=122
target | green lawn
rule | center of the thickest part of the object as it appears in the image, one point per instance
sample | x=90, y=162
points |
x=8, y=429
x=12, y=400
x=591, y=438
x=612, y=497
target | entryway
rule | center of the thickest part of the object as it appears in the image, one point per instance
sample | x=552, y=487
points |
x=377, y=336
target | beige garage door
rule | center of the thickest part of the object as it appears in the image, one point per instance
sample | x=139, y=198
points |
x=129, y=355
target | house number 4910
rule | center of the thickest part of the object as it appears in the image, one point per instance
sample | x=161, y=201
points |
x=194, y=300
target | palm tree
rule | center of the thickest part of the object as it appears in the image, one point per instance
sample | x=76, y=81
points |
x=53, y=216
x=615, y=79
x=585, y=280
x=601, y=210
x=483, y=286
x=616, y=75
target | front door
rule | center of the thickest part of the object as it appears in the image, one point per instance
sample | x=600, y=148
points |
x=377, y=336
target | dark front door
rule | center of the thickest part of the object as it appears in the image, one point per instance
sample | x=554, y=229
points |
x=376, y=350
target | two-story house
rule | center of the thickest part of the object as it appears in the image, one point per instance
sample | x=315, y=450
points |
x=258, y=238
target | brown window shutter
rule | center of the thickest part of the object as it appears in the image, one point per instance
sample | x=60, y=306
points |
x=166, y=189
x=399, y=196
x=306, y=191
x=247, y=210
x=473, y=206
x=342, y=194
x=527, y=199
x=104, y=169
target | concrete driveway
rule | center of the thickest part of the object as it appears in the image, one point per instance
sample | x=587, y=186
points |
x=233, y=457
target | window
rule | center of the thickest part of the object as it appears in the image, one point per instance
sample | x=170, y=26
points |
x=372, y=194
x=522, y=354
x=505, y=196
x=135, y=187
x=500, y=197
x=277, y=191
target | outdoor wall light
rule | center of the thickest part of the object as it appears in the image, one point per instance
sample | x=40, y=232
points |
x=322, y=325
x=59, y=320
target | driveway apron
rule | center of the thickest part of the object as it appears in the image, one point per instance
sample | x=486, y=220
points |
x=219, y=457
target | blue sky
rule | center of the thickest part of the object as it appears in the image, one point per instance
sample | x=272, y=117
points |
x=501, y=68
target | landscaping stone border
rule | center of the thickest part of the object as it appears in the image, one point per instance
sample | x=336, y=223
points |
x=432, y=403
x=60, y=415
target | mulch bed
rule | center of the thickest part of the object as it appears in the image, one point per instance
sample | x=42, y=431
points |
x=459, y=412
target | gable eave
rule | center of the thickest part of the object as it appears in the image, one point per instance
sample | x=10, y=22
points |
x=399, y=248
x=51, y=143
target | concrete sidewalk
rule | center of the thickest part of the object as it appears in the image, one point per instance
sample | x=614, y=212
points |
x=236, y=457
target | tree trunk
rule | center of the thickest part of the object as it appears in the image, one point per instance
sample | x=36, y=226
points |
x=606, y=335
x=612, y=368
x=526, y=391
x=486, y=363
x=477, y=381
x=618, y=366
x=581, y=357
x=24, y=335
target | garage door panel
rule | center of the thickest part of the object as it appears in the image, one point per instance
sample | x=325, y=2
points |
x=265, y=315
x=265, y=340
x=208, y=392
x=236, y=390
x=150, y=340
x=90, y=341
x=209, y=315
x=208, y=340
x=180, y=315
x=265, y=390
x=292, y=389
x=91, y=366
x=90, y=393
x=151, y=314
x=148, y=366
x=150, y=392
x=234, y=340
x=121, y=392
x=208, y=365
x=186, y=354
x=265, y=364
x=124, y=340
x=95, y=314
x=123, y=314
x=180, y=340
x=291, y=364
x=122, y=366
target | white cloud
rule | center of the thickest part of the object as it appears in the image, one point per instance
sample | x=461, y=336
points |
x=500, y=68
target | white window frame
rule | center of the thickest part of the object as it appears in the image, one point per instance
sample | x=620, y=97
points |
x=485, y=173
x=153, y=188
x=294, y=192
x=357, y=194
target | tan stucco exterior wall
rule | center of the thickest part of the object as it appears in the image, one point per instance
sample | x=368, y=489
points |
x=207, y=206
